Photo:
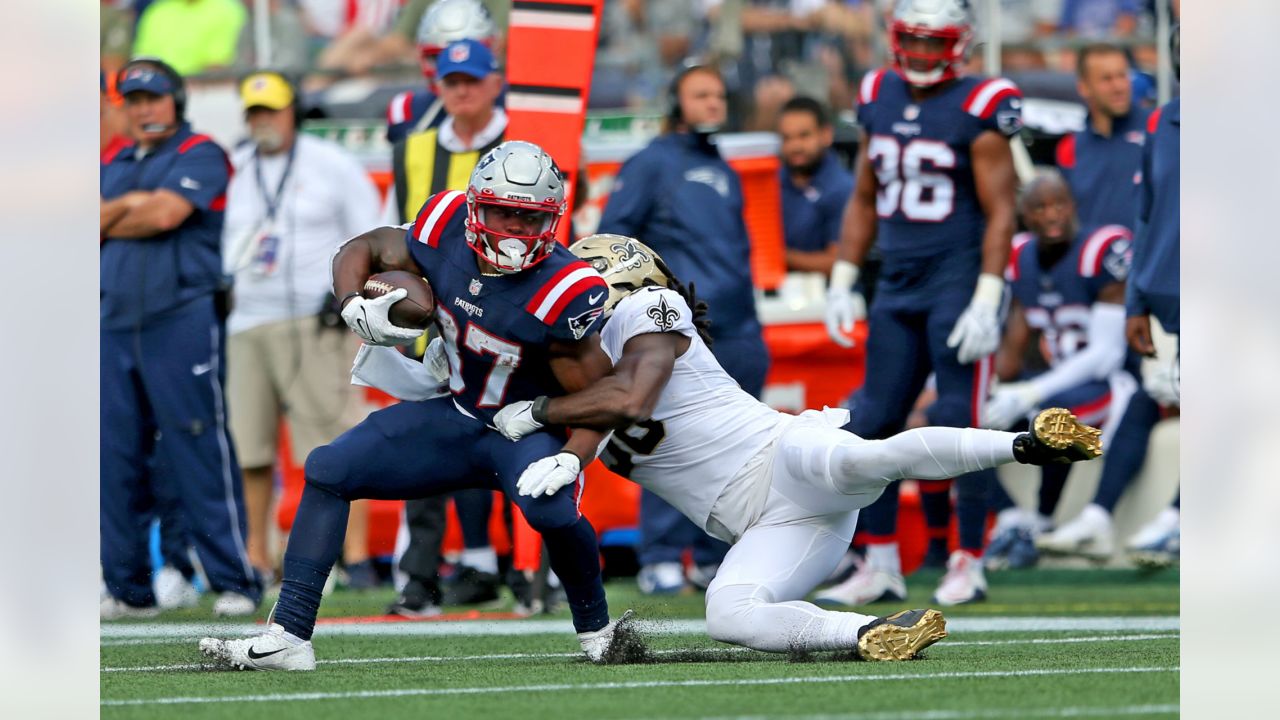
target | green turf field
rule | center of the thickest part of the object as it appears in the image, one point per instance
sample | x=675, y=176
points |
x=1051, y=643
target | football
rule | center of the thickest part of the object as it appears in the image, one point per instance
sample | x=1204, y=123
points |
x=416, y=310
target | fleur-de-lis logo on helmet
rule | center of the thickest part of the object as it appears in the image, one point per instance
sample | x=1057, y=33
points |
x=630, y=254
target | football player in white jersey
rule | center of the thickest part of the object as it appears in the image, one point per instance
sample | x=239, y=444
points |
x=784, y=490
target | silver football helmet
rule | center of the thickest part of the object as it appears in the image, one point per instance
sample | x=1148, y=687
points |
x=930, y=39
x=515, y=200
x=625, y=263
x=448, y=21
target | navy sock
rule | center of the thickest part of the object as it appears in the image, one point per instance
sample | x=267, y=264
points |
x=879, y=520
x=575, y=558
x=474, y=508
x=1128, y=449
x=971, y=508
x=315, y=542
x=1053, y=478
x=935, y=500
x=997, y=497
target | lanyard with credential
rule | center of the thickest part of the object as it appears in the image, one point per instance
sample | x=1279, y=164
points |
x=273, y=201
x=268, y=246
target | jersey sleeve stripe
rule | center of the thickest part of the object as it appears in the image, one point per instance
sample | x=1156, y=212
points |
x=581, y=280
x=987, y=96
x=398, y=109
x=1019, y=241
x=551, y=284
x=193, y=141
x=435, y=215
x=870, y=86
x=1095, y=248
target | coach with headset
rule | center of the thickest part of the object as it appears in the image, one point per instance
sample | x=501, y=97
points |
x=683, y=200
x=292, y=201
x=162, y=409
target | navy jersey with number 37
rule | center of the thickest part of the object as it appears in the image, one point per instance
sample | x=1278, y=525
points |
x=926, y=196
x=498, y=328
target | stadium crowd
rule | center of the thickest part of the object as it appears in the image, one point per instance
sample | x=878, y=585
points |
x=219, y=325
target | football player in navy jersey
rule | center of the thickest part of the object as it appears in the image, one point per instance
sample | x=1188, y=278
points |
x=518, y=317
x=934, y=188
x=1068, y=286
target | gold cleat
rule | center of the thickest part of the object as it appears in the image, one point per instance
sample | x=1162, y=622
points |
x=1057, y=437
x=901, y=636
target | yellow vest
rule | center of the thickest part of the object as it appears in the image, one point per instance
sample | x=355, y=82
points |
x=423, y=167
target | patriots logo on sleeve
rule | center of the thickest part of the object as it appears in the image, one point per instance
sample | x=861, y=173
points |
x=663, y=315
x=579, y=324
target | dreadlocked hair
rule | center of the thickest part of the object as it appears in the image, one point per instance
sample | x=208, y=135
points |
x=701, y=322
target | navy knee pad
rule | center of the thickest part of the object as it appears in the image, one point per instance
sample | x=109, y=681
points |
x=326, y=468
x=550, y=512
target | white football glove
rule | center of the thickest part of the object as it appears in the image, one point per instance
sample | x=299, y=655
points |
x=516, y=420
x=546, y=476
x=368, y=319
x=1010, y=403
x=436, y=359
x=977, y=331
x=1162, y=384
x=845, y=306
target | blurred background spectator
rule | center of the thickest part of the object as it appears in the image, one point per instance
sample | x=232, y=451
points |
x=292, y=201
x=191, y=35
x=815, y=186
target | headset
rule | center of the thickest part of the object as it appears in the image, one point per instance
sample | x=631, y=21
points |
x=179, y=93
x=289, y=80
x=675, y=114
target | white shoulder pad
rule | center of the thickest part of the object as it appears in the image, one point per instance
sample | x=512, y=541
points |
x=650, y=310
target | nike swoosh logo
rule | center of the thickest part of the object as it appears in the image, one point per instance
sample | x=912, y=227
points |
x=253, y=655
x=593, y=299
x=189, y=184
x=201, y=369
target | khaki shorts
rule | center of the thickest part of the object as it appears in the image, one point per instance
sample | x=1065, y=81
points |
x=295, y=369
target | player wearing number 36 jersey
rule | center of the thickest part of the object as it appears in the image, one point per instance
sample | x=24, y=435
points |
x=519, y=317
x=784, y=490
x=934, y=190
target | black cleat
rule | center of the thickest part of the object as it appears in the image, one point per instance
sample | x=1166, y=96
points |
x=901, y=636
x=472, y=587
x=1056, y=437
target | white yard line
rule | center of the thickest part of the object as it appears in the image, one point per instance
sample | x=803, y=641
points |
x=428, y=692
x=112, y=633
x=721, y=649
x=1067, y=712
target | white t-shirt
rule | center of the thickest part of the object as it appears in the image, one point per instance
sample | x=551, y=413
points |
x=327, y=199
x=704, y=429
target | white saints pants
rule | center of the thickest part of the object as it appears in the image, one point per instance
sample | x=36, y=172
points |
x=820, y=477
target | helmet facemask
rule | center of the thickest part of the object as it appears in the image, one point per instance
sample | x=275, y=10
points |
x=511, y=236
x=946, y=49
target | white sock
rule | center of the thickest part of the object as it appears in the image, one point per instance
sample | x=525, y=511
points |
x=743, y=615
x=484, y=559
x=884, y=556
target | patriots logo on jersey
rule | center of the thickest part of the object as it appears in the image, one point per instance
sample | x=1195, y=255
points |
x=579, y=324
x=663, y=315
x=1118, y=260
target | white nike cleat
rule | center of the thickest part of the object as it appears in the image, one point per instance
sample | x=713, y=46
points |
x=1160, y=527
x=1090, y=534
x=112, y=609
x=273, y=650
x=596, y=644
x=233, y=604
x=173, y=590
x=867, y=585
x=964, y=582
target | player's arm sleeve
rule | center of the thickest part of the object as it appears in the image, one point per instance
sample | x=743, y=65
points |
x=1103, y=355
x=997, y=105
x=631, y=202
x=572, y=308
x=1135, y=304
x=200, y=175
x=652, y=311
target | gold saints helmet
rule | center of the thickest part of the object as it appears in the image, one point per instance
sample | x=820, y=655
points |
x=626, y=264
